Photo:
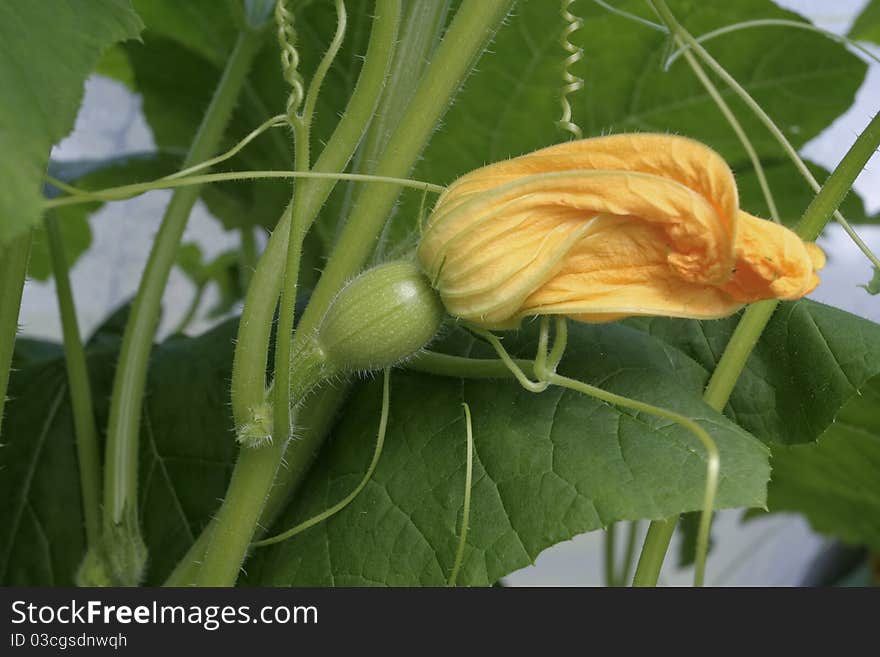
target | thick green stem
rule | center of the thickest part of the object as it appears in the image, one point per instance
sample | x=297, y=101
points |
x=120, y=473
x=252, y=346
x=610, y=572
x=249, y=366
x=756, y=317
x=473, y=26
x=236, y=521
x=13, y=270
x=80, y=389
x=814, y=219
x=315, y=418
x=654, y=551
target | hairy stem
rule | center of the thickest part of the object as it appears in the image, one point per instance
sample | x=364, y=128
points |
x=249, y=366
x=236, y=522
x=473, y=25
x=80, y=389
x=13, y=269
x=314, y=419
x=124, y=192
x=120, y=473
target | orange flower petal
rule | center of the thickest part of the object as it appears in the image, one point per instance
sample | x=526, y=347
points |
x=604, y=228
x=772, y=262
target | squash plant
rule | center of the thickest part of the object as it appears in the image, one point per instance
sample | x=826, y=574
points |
x=259, y=453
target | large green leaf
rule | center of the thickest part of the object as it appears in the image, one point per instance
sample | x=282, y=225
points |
x=835, y=482
x=810, y=361
x=547, y=467
x=49, y=47
x=186, y=452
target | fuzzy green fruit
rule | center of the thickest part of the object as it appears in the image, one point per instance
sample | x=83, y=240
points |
x=380, y=318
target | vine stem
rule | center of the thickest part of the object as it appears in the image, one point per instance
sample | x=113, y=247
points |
x=471, y=28
x=121, y=463
x=753, y=322
x=13, y=270
x=252, y=346
x=681, y=33
x=236, y=521
x=124, y=192
x=463, y=42
x=80, y=388
x=348, y=499
x=252, y=478
x=610, y=572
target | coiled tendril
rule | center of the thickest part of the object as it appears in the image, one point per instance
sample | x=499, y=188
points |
x=572, y=82
x=289, y=57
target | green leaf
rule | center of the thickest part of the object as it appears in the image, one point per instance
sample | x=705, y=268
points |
x=867, y=25
x=204, y=26
x=810, y=361
x=44, y=537
x=187, y=451
x=835, y=482
x=49, y=48
x=547, y=467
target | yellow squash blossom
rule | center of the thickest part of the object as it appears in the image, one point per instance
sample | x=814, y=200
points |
x=605, y=228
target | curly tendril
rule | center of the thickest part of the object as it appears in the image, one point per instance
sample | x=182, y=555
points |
x=572, y=82
x=289, y=57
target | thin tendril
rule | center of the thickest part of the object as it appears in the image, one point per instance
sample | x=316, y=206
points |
x=466, y=506
x=547, y=377
x=524, y=381
x=326, y=62
x=125, y=192
x=422, y=211
x=339, y=506
x=632, y=17
x=572, y=83
x=274, y=122
x=772, y=22
x=63, y=186
x=289, y=59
